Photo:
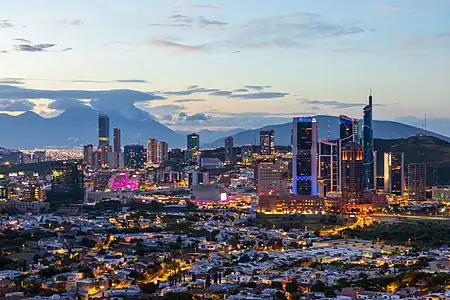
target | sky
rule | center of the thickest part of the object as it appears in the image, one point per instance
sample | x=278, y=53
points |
x=228, y=63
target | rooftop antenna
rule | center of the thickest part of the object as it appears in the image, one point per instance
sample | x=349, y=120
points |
x=425, y=124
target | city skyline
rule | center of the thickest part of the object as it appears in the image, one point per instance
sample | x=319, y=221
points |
x=207, y=65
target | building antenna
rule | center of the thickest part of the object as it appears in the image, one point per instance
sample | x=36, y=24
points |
x=425, y=124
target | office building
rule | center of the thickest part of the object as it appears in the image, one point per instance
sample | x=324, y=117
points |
x=134, y=157
x=290, y=204
x=328, y=167
x=196, y=178
x=117, y=140
x=67, y=184
x=369, y=161
x=152, y=151
x=88, y=155
x=247, y=154
x=229, y=150
x=353, y=168
x=39, y=156
x=162, y=152
x=193, y=142
x=104, y=156
x=272, y=178
x=304, y=156
x=103, y=130
x=417, y=176
x=348, y=130
x=267, y=142
x=394, y=173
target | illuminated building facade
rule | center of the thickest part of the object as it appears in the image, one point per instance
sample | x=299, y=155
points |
x=290, y=204
x=247, y=154
x=67, y=184
x=348, y=133
x=353, y=183
x=369, y=162
x=229, y=150
x=267, y=142
x=121, y=181
x=272, y=178
x=88, y=155
x=193, y=142
x=417, y=176
x=328, y=167
x=304, y=159
x=103, y=130
x=152, y=151
x=394, y=173
x=117, y=140
x=162, y=152
x=134, y=157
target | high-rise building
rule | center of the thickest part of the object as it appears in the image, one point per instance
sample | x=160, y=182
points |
x=117, y=141
x=67, y=184
x=134, y=157
x=348, y=130
x=368, y=146
x=39, y=156
x=193, y=141
x=304, y=156
x=353, y=168
x=267, y=142
x=417, y=176
x=103, y=130
x=394, y=173
x=103, y=156
x=162, y=152
x=272, y=178
x=88, y=155
x=328, y=166
x=229, y=150
x=152, y=151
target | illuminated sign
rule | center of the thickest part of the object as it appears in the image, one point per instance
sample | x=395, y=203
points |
x=306, y=120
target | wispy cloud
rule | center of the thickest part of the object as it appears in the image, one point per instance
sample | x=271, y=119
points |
x=6, y=24
x=389, y=7
x=178, y=47
x=258, y=87
x=131, y=81
x=12, y=81
x=203, y=22
x=334, y=104
x=189, y=100
x=199, y=6
x=16, y=105
x=22, y=40
x=33, y=48
x=425, y=40
x=179, y=20
x=72, y=22
x=262, y=95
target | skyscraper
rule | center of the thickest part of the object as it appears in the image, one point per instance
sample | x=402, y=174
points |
x=369, y=175
x=267, y=142
x=348, y=133
x=353, y=168
x=88, y=155
x=328, y=166
x=193, y=141
x=152, y=151
x=229, y=150
x=394, y=173
x=67, y=184
x=117, y=141
x=162, y=152
x=134, y=156
x=304, y=156
x=417, y=175
x=103, y=130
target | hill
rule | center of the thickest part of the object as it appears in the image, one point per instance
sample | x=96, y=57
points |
x=424, y=149
x=329, y=129
x=208, y=136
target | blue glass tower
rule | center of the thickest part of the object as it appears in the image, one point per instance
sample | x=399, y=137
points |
x=368, y=146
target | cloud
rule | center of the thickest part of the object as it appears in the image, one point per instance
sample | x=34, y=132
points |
x=334, y=104
x=240, y=91
x=221, y=93
x=165, y=109
x=177, y=47
x=131, y=81
x=33, y=48
x=197, y=117
x=63, y=104
x=6, y=24
x=425, y=40
x=189, y=100
x=66, y=49
x=22, y=40
x=12, y=81
x=4, y=51
x=74, y=22
x=258, y=87
x=16, y=105
x=199, y=6
x=191, y=90
x=267, y=95
x=210, y=23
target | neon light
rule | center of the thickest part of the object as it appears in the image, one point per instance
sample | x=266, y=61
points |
x=303, y=178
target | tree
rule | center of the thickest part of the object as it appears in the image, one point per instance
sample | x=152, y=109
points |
x=319, y=287
x=87, y=272
x=148, y=288
x=291, y=287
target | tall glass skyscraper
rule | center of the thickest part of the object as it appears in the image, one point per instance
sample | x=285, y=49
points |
x=103, y=130
x=368, y=146
x=304, y=156
x=134, y=156
x=348, y=134
x=267, y=142
x=193, y=141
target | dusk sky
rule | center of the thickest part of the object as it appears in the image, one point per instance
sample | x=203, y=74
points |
x=228, y=63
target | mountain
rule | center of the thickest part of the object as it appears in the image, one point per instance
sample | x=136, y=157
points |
x=328, y=127
x=78, y=126
x=208, y=136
